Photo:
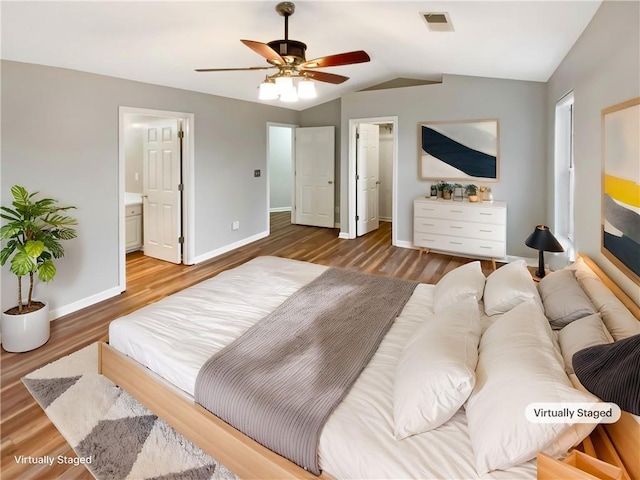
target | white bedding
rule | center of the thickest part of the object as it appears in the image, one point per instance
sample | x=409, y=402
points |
x=175, y=337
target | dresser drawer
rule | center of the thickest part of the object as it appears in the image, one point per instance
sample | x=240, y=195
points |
x=132, y=210
x=481, y=231
x=469, y=246
x=464, y=212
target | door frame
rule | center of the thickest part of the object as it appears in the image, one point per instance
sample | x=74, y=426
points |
x=351, y=183
x=188, y=196
x=293, y=170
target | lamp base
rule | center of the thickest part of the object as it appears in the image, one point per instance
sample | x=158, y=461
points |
x=540, y=272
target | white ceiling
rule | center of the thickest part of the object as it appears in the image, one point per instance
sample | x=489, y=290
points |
x=163, y=42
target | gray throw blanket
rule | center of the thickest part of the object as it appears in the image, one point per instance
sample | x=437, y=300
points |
x=279, y=382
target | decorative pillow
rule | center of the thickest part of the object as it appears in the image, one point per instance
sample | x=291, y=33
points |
x=460, y=283
x=435, y=374
x=618, y=320
x=611, y=372
x=509, y=286
x=518, y=365
x=583, y=333
x=563, y=299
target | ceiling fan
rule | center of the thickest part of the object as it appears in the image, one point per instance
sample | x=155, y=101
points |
x=288, y=56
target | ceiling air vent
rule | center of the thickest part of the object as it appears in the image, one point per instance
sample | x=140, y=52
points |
x=438, y=21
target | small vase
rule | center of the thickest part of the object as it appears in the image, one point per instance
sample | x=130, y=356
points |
x=473, y=198
x=446, y=195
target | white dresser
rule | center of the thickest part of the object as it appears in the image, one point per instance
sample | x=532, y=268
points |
x=461, y=228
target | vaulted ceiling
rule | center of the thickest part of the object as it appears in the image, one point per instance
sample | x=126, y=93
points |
x=163, y=42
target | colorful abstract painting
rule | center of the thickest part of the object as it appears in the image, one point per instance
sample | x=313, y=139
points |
x=464, y=150
x=621, y=186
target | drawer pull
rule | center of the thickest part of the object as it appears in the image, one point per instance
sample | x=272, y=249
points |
x=427, y=225
x=454, y=226
x=486, y=231
x=484, y=213
x=455, y=243
x=456, y=211
x=487, y=248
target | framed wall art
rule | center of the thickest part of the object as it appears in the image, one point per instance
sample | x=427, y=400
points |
x=461, y=150
x=621, y=186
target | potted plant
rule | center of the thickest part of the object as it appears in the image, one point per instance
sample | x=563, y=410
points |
x=34, y=232
x=447, y=188
x=472, y=192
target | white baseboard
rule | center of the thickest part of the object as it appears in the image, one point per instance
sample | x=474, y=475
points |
x=336, y=225
x=385, y=219
x=405, y=244
x=280, y=209
x=232, y=246
x=343, y=235
x=83, y=303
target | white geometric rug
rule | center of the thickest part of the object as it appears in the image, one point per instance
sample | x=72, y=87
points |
x=101, y=422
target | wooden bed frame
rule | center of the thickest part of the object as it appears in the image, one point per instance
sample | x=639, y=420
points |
x=617, y=443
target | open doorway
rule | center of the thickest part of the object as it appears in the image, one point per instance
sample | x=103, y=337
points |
x=280, y=169
x=373, y=150
x=155, y=185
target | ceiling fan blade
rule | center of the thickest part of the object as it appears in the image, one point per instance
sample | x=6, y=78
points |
x=324, y=76
x=230, y=69
x=266, y=51
x=348, y=58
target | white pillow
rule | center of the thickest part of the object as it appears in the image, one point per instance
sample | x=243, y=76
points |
x=518, y=365
x=435, y=374
x=509, y=286
x=462, y=282
x=582, y=333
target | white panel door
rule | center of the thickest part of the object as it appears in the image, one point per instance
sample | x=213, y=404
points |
x=367, y=178
x=161, y=180
x=315, y=169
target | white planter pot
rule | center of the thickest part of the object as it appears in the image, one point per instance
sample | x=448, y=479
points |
x=21, y=333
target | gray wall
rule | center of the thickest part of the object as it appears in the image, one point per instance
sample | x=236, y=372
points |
x=603, y=69
x=519, y=105
x=280, y=167
x=325, y=115
x=60, y=136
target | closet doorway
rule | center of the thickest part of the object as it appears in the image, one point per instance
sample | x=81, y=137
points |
x=373, y=150
x=155, y=185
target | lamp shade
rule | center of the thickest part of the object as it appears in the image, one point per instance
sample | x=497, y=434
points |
x=268, y=91
x=543, y=240
x=306, y=89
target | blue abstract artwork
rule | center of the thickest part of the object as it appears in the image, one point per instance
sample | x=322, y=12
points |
x=466, y=150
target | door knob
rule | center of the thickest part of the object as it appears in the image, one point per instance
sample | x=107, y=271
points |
x=378, y=182
x=145, y=196
x=330, y=182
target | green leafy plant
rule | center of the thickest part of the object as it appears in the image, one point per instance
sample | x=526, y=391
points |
x=471, y=189
x=34, y=232
x=447, y=187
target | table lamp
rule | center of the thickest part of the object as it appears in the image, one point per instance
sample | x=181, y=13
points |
x=543, y=240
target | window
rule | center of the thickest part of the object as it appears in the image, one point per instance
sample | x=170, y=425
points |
x=564, y=169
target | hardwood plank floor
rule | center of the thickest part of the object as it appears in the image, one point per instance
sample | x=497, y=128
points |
x=25, y=428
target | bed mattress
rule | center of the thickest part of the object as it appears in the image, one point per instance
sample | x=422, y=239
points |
x=175, y=336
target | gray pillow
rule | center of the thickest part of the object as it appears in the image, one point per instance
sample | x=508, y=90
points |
x=563, y=299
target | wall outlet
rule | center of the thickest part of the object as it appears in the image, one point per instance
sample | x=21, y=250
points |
x=235, y=225
x=136, y=176
x=256, y=173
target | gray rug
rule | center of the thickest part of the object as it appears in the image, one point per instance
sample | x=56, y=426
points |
x=106, y=426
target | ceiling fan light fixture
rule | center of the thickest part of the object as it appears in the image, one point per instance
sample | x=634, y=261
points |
x=289, y=96
x=268, y=91
x=306, y=89
x=284, y=84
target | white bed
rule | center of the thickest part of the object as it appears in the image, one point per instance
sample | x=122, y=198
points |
x=174, y=338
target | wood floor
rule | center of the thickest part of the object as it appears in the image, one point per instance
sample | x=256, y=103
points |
x=25, y=429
